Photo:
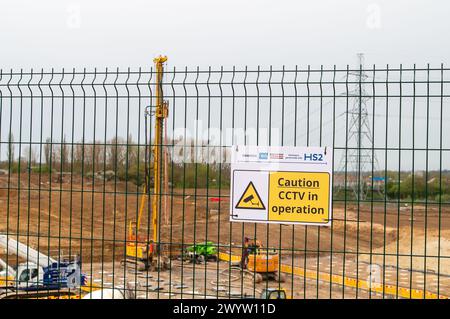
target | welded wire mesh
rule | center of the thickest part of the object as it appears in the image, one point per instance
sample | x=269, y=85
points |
x=76, y=152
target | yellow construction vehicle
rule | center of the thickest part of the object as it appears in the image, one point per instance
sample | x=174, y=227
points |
x=273, y=293
x=143, y=252
x=262, y=262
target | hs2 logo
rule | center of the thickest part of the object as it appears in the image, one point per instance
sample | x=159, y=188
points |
x=314, y=157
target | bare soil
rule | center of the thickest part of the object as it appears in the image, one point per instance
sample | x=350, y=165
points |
x=90, y=217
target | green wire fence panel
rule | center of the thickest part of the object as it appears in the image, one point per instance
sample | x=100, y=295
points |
x=76, y=164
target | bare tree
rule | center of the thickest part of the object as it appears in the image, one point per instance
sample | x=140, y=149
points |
x=97, y=154
x=93, y=156
x=78, y=155
x=10, y=150
x=48, y=150
x=64, y=153
x=116, y=153
x=132, y=151
x=30, y=155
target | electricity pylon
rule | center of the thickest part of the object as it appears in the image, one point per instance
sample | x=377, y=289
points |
x=358, y=161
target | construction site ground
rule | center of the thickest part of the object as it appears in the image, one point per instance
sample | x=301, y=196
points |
x=408, y=245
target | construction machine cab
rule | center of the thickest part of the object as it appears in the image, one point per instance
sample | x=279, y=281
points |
x=252, y=243
x=132, y=232
x=262, y=262
x=29, y=274
x=273, y=293
x=251, y=246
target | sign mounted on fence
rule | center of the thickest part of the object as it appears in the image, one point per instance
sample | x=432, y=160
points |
x=282, y=185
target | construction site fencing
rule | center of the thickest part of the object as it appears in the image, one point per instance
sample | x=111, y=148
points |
x=76, y=152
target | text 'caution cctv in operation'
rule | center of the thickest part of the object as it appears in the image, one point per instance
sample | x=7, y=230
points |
x=284, y=185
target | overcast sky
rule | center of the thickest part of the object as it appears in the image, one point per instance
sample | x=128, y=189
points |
x=57, y=33
x=101, y=33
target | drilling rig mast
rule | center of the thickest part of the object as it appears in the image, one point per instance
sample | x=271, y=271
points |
x=139, y=250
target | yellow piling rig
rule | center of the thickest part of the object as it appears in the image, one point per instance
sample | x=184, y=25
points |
x=139, y=250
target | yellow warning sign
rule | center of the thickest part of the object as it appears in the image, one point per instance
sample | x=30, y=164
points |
x=281, y=185
x=250, y=199
x=299, y=197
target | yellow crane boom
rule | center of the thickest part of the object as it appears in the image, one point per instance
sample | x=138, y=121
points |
x=160, y=114
x=138, y=250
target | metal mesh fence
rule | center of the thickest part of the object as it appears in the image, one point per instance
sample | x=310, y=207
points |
x=76, y=161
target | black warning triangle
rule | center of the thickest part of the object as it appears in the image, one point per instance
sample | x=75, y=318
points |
x=250, y=199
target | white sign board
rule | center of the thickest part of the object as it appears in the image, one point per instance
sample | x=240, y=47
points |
x=281, y=185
